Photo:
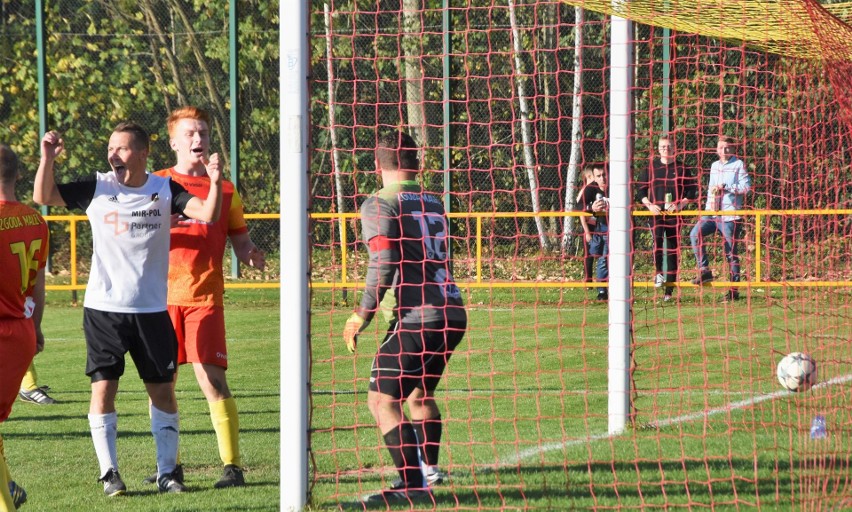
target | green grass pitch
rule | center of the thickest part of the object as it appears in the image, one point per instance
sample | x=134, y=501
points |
x=50, y=451
x=524, y=401
x=525, y=404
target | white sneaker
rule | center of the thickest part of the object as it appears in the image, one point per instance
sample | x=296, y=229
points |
x=434, y=478
x=437, y=477
x=36, y=396
x=659, y=281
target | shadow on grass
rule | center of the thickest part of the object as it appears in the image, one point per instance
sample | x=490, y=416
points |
x=123, y=433
x=579, y=486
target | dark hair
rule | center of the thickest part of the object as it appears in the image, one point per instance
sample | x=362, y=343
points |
x=601, y=166
x=729, y=140
x=8, y=165
x=141, y=139
x=397, y=150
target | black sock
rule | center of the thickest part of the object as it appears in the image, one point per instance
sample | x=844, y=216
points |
x=429, y=434
x=402, y=445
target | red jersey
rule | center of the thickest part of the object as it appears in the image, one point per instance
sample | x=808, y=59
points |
x=197, y=248
x=23, y=246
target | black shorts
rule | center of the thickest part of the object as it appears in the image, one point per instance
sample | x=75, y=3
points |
x=414, y=356
x=149, y=337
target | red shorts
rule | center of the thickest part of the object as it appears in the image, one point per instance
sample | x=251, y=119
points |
x=201, y=334
x=17, y=349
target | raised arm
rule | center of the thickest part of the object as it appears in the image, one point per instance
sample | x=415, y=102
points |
x=208, y=209
x=45, y=191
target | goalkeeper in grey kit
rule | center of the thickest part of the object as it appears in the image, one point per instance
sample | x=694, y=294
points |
x=406, y=229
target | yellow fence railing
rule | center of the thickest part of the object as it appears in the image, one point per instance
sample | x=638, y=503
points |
x=759, y=217
x=75, y=285
x=477, y=282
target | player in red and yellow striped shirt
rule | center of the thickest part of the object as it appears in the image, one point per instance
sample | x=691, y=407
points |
x=196, y=282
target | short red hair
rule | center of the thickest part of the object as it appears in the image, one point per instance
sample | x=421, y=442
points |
x=188, y=112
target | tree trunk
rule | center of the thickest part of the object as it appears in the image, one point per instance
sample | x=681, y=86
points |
x=332, y=122
x=547, y=66
x=576, y=132
x=155, y=28
x=529, y=159
x=413, y=74
x=218, y=112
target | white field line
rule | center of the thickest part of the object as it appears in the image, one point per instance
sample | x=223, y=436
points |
x=516, y=458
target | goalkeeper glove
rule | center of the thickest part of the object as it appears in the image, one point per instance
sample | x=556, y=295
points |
x=354, y=325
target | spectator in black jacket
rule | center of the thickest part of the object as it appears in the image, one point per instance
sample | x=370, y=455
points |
x=587, y=223
x=594, y=200
x=667, y=187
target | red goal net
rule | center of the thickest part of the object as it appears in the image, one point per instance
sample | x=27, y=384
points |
x=510, y=104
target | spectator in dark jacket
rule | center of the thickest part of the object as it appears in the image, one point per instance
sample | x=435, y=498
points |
x=667, y=187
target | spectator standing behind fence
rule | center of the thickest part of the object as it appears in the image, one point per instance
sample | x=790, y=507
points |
x=595, y=200
x=125, y=307
x=405, y=230
x=23, y=237
x=729, y=183
x=667, y=187
x=587, y=178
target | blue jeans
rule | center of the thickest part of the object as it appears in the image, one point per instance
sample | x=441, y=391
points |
x=599, y=247
x=730, y=231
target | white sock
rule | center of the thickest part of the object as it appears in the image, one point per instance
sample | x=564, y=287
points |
x=164, y=426
x=104, y=429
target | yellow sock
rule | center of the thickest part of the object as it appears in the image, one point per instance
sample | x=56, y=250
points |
x=6, y=503
x=226, y=423
x=5, y=471
x=30, y=381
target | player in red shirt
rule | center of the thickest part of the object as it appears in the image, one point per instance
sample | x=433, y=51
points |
x=23, y=253
x=196, y=281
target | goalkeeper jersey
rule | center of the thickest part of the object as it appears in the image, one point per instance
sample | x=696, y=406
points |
x=195, y=259
x=406, y=230
x=23, y=245
x=130, y=239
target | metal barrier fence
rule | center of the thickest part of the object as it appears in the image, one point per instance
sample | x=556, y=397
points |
x=263, y=236
x=762, y=236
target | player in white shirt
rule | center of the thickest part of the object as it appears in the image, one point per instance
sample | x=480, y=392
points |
x=125, y=306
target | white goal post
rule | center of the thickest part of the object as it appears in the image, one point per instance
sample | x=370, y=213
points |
x=295, y=307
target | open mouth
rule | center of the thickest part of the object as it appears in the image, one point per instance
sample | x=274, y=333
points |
x=197, y=151
x=119, y=168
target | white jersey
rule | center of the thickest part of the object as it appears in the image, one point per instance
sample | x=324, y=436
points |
x=130, y=239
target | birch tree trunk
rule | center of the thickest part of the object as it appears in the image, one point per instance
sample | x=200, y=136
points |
x=529, y=159
x=332, y=123
x=576, y=132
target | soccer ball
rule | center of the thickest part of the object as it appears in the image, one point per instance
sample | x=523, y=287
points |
x=797, y=372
